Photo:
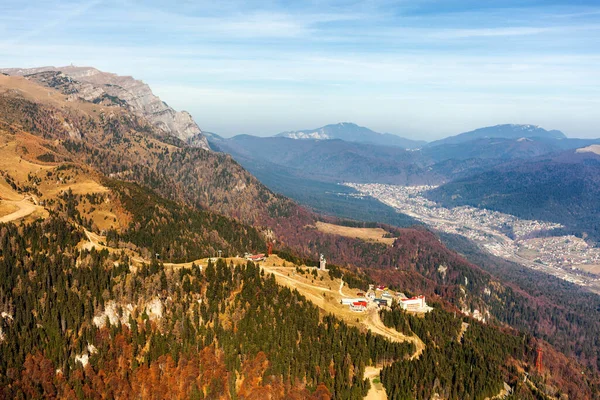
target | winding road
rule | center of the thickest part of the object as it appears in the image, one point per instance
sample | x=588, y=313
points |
x=25, y=208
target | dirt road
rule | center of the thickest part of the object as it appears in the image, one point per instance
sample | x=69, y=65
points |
x=377, y=391
x=374, y=322
x=25, y=208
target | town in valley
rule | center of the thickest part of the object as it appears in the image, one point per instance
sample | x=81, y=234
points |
x=527, y=242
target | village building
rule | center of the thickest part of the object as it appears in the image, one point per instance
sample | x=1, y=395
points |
x=358, y=306
x=415, y=304
x=349, y=300
x=382, y=302
x=255, y=257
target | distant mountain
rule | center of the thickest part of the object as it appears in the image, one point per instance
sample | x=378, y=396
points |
x=506, y=131
x=503, y=149
x=90, y=84
x=491, y=148
x=563, y=188
x=335, y=160
x=353, y=133
x=331, y=160
x=211, y=136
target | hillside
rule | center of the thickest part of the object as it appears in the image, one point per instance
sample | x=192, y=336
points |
x=95, y=326
x=563, y=188
x=122, y=145
x=105, y=178
x=91, y=326
x=350, y=132
x=92, y=85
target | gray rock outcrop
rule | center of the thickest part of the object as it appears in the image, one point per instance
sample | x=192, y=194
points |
x=91, y=84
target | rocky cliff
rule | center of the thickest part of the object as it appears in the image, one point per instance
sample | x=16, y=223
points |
x=90, y=84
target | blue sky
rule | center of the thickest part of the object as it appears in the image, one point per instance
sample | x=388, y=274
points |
x=421, y=69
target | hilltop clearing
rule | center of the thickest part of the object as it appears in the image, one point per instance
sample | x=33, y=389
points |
x=367, y=234
x=326, y=293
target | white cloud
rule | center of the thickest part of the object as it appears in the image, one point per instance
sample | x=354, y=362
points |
x=275, y=68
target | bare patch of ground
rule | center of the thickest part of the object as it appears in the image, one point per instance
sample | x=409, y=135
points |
x=528, y=254
x=591, y=268
x=7, y=208
x=86, y=186
x=463, y=329
x=18, y=167
x=377, y=391
x=366, y=234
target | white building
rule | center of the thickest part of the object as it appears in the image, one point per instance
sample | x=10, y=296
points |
x=416, y=304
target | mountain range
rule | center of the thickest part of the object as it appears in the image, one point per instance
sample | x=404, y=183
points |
x=492, y=167
x=337, y=160
x=90, y=84
x=108, y=284
x=351, y=132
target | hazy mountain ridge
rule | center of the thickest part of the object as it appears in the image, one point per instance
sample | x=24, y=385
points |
x=332, y=160
x=351, y=132
x=90, y=84
x=336, y=160
x=506, y=131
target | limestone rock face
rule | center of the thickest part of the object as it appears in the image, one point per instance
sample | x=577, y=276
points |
x=90, y=84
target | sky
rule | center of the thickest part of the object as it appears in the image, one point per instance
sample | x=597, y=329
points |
x=420, y=69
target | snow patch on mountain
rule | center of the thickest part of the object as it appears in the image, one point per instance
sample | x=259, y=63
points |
x=351, y=132
x=308, y=135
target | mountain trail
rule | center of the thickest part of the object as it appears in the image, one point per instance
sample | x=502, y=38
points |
x=24, y=209
x=377, y=391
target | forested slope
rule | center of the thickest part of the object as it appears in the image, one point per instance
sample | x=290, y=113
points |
x=157, y=200
x=223, y=332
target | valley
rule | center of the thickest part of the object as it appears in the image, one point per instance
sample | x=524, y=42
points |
x=527, y=242
x=111, y=281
